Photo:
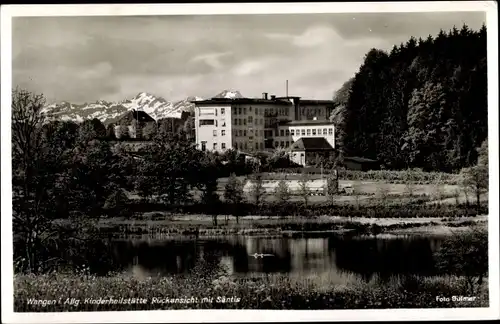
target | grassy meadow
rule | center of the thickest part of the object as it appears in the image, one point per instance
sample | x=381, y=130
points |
x=274, y=291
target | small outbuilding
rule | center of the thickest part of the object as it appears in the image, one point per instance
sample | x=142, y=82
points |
x=306, y=150
x=361, y=164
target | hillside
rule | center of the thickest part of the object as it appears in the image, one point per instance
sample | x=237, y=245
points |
x=423, y=105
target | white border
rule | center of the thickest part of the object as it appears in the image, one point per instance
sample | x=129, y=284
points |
x=9, y=11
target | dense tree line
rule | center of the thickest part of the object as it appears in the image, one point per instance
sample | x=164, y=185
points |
x=423, y=105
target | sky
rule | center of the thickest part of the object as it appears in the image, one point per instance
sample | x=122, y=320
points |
x=85, y=59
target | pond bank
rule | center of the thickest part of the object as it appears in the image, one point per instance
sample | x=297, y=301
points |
x=202, y=226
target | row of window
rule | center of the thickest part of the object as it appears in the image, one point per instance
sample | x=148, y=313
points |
x=243, y=132
x=246, y=146
x=280, y=111
x=212, y=122
x=282, y=132
x=222, y=132
x=309, y=131
x=243, y=110
x=222, y=111
x=282, y=144
x=222, y=146
x=240, y=122
x=311, y=112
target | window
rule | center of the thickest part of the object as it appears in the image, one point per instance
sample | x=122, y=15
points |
x=244, y=121
x=236, y=121
x=308, y=132
x=215, y=146
x=287, y=132
x=276, y=144
x=292, y=132
x=235, y=110
x=203, y=145
x=256, y=110
x=239, y=111
x=319, y=131
x=240, y=132
x=303, y=132
x=215, y=123
x=204, y=122
x=244, y=132
x=277, y=133
x=282, y=144
x=244, y=110
x=287, y=143
x=314, y=131
x=222, y=111
x=250, y=119
x=282, y=132
x=236, y=146
x=246, y=145
x=215, y=132
x=325, y=131
x=215, y=111
x=223, y=132
x=256, y=146
x=223, y=145
x=223, y=122
x=330, y=131
x=250, y=109
x=265, y=112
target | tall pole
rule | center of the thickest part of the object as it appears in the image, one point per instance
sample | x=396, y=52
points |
x=287, y=88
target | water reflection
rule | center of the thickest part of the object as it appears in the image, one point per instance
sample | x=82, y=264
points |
x=364, y=256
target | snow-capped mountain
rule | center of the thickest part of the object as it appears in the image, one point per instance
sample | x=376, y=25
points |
x=229, y=94
x=109, y=112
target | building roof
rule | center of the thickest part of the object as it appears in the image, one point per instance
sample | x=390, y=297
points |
x=308, y=122
x=316, y=102
x=359, y=159
x=138, y=115
x=311, y=144
x=243, y=101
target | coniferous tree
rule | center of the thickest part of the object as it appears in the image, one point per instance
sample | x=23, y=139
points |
x=426, y=91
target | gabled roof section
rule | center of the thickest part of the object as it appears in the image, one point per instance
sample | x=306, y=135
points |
x=136, y=115
x=309, y=123
x=359, y=159
x=311, y=144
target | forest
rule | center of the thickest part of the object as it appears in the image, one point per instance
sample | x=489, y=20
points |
x=423, y=105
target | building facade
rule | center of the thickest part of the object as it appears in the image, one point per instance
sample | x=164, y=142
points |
x=260, y=124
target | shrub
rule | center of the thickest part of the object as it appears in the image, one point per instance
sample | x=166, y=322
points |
x=257, y=190
x=282, y=192
x=465, y=254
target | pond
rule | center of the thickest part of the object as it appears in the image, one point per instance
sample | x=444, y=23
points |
x=365, y=256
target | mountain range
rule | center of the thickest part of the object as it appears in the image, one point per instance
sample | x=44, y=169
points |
x=108, y=112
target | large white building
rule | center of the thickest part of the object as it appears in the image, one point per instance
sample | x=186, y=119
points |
x=259, y=124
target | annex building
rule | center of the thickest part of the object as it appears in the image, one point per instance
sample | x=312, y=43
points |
x=264, y=124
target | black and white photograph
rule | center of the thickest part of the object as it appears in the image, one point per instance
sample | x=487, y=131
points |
x=258, y=157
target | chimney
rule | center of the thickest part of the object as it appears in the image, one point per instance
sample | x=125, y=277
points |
x=273, y=97
x=264, y=95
